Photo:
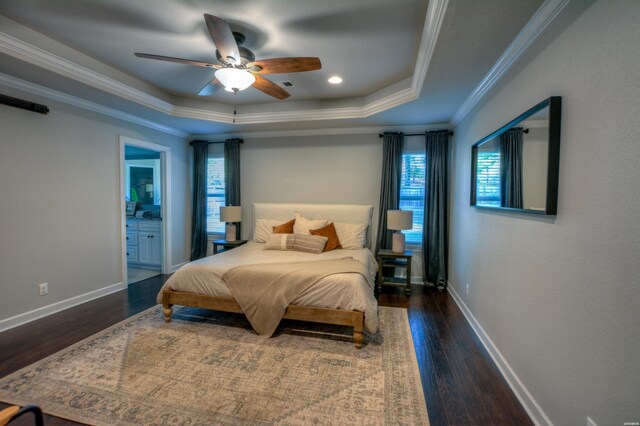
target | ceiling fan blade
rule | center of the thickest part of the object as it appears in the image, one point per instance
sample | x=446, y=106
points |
x=285, y=65
x=210, y=88
x=270, y=88
x=223, y=38
x=178, y=60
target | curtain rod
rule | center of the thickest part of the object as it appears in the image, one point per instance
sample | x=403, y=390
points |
x=449, y=132
x=214, y=142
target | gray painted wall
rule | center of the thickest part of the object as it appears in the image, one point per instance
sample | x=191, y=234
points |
x=59, y=190
x=311, y=169
x=559, y=296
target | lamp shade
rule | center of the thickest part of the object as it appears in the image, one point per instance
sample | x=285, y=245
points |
x=231, y=214
x=399, y=219
x=235, y=79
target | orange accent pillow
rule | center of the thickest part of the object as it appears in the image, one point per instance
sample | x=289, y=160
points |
x=328, y=231
x=285, y=228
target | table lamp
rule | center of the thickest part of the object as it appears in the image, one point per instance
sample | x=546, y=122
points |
x=398, y=220
x=230, y=215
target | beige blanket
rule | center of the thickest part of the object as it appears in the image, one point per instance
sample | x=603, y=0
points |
x=264, y=291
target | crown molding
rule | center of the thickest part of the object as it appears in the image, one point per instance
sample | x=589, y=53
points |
x=40, y=57
x=432, y=24
x=321, y=132
x=47, y=60
x=38, y=90
x=401, y=97
x=203, y=114
x=304, y=115
x=544, y=16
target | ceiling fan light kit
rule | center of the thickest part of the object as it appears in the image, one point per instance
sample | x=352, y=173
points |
x=235, y=79
x=239, y=69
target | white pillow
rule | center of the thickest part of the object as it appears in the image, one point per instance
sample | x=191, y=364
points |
x=303, y=225
x=352, y=236
x=264, y=228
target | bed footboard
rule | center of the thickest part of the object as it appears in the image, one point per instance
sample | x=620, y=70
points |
x=354, y=319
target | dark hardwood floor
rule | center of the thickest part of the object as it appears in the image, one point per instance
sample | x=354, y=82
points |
x=462, y=385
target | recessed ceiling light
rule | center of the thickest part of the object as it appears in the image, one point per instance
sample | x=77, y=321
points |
x=335, y=80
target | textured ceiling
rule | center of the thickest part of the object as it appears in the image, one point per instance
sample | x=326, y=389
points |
x=372, y=44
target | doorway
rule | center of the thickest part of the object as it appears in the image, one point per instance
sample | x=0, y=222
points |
x=144, y=209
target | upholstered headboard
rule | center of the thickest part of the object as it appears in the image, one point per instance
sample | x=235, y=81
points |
x=354, y=213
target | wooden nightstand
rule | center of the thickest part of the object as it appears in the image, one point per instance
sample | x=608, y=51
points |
x=226, y=245
x=389, y=259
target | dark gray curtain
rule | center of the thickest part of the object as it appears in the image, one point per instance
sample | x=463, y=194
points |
x=435, y=241
x=511, y=168
x=232, y=176
x=392, y=144
x=199, y=211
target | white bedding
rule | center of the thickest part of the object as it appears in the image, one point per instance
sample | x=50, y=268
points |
x=338, y=291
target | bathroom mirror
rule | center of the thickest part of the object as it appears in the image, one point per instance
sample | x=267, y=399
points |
x=516, y=167
x=142, y=181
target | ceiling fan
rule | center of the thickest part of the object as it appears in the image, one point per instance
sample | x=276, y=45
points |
x=238, y=68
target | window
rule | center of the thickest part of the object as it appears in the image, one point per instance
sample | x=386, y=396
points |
x=488, y=179
x=215, y=193
x=412, y=186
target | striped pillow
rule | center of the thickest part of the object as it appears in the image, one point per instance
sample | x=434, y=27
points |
x=309, y=243
x=279, y=242
x=305, y=243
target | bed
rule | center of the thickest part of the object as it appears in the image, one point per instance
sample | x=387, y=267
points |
x=339, y=298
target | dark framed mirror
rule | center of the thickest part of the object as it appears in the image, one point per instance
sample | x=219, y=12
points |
x=516, y=167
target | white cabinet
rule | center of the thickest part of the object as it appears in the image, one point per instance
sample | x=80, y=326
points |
x=132, y=254
x=150, y=247
x=144, y=243
x=132, y=241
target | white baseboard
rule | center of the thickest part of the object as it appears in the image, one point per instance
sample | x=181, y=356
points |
x=178, y=266
x=53, y=308
x=530, y=405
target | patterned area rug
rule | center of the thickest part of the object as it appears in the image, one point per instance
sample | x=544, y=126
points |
x=210, y=368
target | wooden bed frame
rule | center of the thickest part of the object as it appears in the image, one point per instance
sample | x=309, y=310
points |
x=295, y=312
x=355, y=213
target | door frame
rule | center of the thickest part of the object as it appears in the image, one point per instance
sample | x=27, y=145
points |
x=165, y=179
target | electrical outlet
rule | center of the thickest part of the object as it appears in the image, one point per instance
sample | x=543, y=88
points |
x=44, y=289
x=466, y=288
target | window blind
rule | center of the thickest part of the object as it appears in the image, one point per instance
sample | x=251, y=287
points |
x=488, y=179
x=215, y=193
x=412, y=188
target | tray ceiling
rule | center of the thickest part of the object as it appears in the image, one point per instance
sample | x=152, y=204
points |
x=418, y=61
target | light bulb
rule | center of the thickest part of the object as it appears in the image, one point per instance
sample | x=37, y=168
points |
x=235, y=79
